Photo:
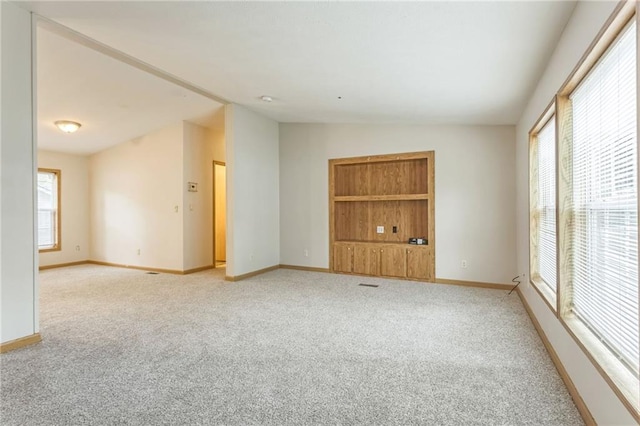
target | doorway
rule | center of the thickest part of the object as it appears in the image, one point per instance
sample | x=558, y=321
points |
x=219, y=214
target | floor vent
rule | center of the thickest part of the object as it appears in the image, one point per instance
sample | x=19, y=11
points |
x=369, y=285
x=153, y=273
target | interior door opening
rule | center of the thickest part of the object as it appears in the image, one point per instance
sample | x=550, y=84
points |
x=219, y=214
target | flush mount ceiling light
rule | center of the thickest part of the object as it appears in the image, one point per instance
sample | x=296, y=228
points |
x=266, y=98
x=67, y=126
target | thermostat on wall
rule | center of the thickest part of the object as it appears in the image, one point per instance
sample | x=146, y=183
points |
x=193, y=187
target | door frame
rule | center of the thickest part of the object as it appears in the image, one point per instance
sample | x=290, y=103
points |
x=213, y=190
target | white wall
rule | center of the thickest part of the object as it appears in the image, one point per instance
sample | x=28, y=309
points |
x=217, y=136
x=253, y=206
x=18, y=285
x=475, y=214
x=201, y=147
x=135, y=189
x=74, y=206
x=582, y=28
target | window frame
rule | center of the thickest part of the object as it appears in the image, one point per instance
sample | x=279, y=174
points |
x=58, y=221
x=536, y=281
x=620, y=379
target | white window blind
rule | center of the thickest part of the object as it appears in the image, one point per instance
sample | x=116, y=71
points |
x=547, y=203
x=47, y=209
x=605, y=216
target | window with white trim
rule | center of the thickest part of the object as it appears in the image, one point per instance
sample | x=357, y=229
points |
x=48, y=209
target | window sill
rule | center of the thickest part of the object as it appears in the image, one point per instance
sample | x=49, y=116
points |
x=545, y=292
x=47, y=250
x=621, y=380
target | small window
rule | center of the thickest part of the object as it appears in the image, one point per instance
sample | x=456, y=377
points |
x=48, y=210
x=543, y=206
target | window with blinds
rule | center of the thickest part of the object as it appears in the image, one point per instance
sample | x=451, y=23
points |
x=546, y=163
x=48, y=214
x=604, y=189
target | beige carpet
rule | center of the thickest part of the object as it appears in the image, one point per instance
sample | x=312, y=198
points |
x=287, y=347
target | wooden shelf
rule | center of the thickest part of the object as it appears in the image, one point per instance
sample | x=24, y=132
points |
x=382, y=243
x=395, y=192
x=394, y=197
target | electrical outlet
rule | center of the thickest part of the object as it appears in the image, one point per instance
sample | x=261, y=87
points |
x=306, y=253
x=77, y=248
x=463, y=264
x=138, y=252
x=380, y=229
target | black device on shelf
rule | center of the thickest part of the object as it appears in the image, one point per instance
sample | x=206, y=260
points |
x=418, y=241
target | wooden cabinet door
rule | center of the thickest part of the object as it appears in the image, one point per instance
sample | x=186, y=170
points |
x=419, y=263
x=343, y=257
x=393, y=261
x=365, y=259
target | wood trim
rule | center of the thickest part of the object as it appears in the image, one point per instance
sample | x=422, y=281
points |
x=251, y=274
x=534, y=176
x=200, y=269
x=607, y=378
x=400, y=197
x=534, y=258
x=537, y=286
x=139, y=268
x=573, y=391
x=544, y=117
x=380, y=158
x=616, y=22
x=20, y=343
x=431, y=188
x=332, y=211
x=479, y=284
x=63, y=265
x=564, y=202
x=58, y=173
x=305, y=268
x=213, y=206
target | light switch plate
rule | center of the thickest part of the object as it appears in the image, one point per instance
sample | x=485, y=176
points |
x=380, y=229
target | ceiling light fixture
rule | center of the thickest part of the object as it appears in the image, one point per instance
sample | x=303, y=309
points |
x=67, y=126
x=266, y=98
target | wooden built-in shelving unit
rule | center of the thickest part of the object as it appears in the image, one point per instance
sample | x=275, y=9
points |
x=385, y=190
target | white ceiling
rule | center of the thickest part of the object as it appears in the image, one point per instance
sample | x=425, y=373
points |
x=409, y=62
x=113, y=101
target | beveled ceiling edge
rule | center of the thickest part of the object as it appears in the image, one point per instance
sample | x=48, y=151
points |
x=75, y=36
